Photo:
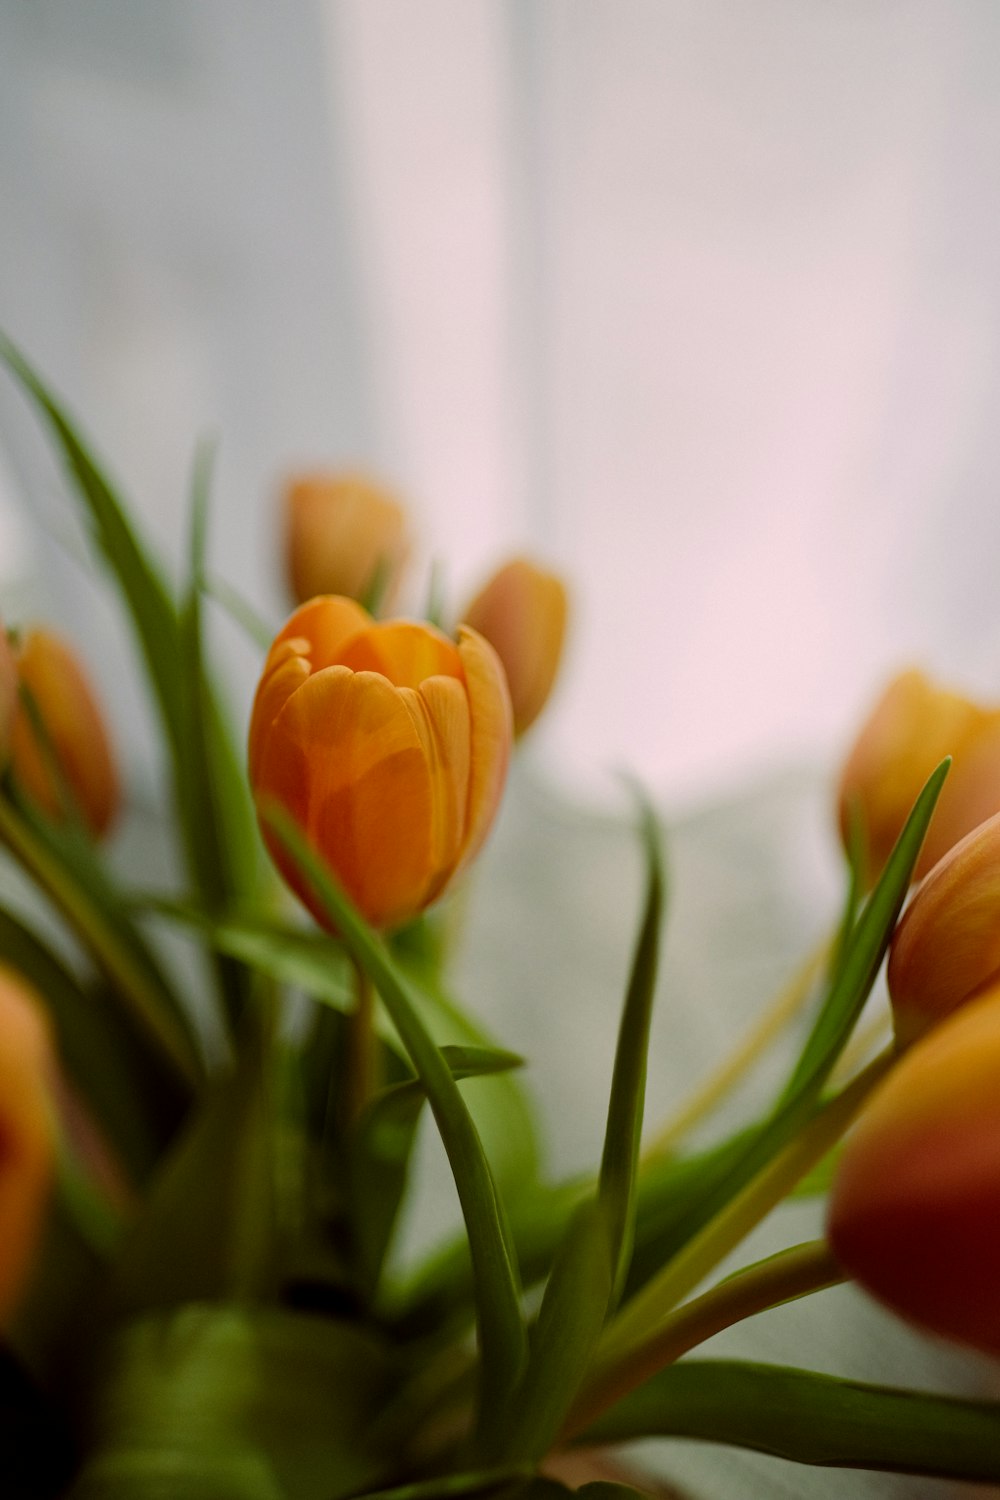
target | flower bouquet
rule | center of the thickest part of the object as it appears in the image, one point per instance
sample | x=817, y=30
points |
x=202, y=1165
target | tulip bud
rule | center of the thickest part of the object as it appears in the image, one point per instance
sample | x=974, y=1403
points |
x=388, y=744
x=522, y=613
x=912, y=728
x=947, y=946
x=26, y=1132
x=915, y=1205
x=8, y=695
x=72, y=754
x=345, y=535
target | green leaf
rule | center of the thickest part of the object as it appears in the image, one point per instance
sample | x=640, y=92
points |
x=208, y=1222
x=616, y=1184
x=594, y=1253
x=240, y=610
x=166, y=649
x=67, y=869
x=501, y=1329
x=819, y=1181
x=219, y=1402
x=604, y=1490
x=849, y=989
x=380, y=1149
x=133, y=1097
x=810, y=1419
x=219, y=853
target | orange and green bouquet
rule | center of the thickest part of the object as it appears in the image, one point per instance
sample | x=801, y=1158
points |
x=202, y=1163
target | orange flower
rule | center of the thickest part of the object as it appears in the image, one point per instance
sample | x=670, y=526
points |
x=913, y=727
x=388, y=744
x=74, y=736
x=8, y=695
x=341, y=530
x=915, y=1207
x=27, y=1139
x=522, y=613
x=947, y=946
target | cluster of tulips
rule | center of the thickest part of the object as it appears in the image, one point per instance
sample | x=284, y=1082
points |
x=190, y=1230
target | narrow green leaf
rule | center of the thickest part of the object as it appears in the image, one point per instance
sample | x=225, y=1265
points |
x=240, y=610
x=570, y=1320
x=616, y=1184
x=144, y=591
x=819, y=1181
x=213, y=855
x=160, y=638
x=810, y=1419
x=501, y=1329
x=603, y=1489
x=380, y=1150
x=864, y=951
x=68, y=870
x=850, y=988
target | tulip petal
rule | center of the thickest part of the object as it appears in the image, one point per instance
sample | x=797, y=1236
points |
x=327, y=624
x=26, y=1132
x=345, y=759
x=916, y=1202
x=404, y=652
x=287, y=673
x=947, y=947
x=490, y=735
x=440, y=712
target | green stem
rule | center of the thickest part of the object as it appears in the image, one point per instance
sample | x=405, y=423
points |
x=648, y=1309
x=360, y=1081
x=793, y=1273
x=99, y=937
x=782, y=1010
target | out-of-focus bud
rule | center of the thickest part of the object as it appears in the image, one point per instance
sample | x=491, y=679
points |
x=345, y=534
x=916, y=1201
x=27, y=1133
x=947, y=946
x=522, y=613
x=8, y=695
x=72, y=754
x=388, y=744
x=914, y=725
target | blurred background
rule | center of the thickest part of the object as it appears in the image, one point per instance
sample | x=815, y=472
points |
x=698, y=301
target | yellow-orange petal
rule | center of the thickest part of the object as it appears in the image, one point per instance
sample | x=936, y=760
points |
x=288, y=672
x=403, y=651
x=947, y=946
x=971, y=793
x=491, y=731
x=64, y=701
x=8, y=695
x=327, y=623
x=345, y=759
x=440, y=710
x=341, y=529
x=27, y=1144
x=915, y=1209
x=522, y=612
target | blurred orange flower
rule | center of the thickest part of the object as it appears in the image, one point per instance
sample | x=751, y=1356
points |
x=73, y=748
x=947, y=946
x=915, y=1207
x=27, y=1132
x=342, y=529
x=522, y=613
x=914, y=725
x=388, y=744
x=8, y=695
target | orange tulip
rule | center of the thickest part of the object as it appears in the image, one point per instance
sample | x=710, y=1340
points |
x=27, y=1137
x=947, y=946
x=74, y=737
x=522, y=613
x=388, y=744
x=913, y=727
x=341, y=530
x=8, y=695
x=915, y=1208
